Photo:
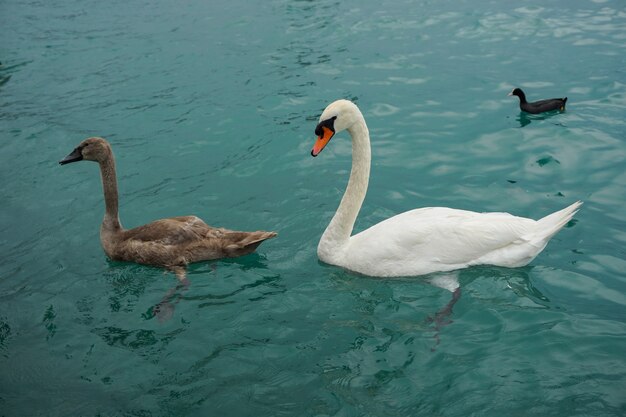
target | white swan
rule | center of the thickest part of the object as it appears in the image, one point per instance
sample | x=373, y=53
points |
x=425, y=240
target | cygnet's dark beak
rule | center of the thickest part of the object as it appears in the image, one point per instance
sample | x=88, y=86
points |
x=75, y=156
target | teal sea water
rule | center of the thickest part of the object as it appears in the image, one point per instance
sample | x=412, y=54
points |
x=211, y=107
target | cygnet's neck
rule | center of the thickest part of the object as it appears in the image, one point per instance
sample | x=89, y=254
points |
x=111, y=220
x=337, y=234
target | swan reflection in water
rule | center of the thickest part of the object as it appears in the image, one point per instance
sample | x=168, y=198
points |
x=410, y=296
x=164, y=309
x=518, y=280
x=131, y=280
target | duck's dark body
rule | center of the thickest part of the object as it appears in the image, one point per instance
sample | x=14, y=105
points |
x=540, y=106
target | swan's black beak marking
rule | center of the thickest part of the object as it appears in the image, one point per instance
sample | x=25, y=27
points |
x=325, y=130
x=75, y=156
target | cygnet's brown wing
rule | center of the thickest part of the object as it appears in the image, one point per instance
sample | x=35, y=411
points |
x=182, y=240
x=172, y=231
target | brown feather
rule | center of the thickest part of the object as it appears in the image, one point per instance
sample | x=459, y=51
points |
x=171, y=243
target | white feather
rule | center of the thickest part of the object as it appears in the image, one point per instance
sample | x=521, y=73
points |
x=425, y=240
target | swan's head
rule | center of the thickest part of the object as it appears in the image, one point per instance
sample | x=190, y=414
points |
x=339, y=115
x=92, y=149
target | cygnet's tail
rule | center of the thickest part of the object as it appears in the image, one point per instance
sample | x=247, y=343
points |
x=552, y=223
x=254, y=239
x=244, y=243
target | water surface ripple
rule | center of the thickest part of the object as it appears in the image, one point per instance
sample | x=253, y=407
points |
x=210, y=108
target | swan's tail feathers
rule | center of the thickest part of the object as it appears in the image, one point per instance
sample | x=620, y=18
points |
x=552, y=223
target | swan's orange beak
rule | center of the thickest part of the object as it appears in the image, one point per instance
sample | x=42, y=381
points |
x=322, y=140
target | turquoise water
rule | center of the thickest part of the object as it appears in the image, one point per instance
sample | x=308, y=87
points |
x=210, y=108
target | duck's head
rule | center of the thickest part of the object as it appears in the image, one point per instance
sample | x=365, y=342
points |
x=517, y=92
x=91, y=149
x=339, y=115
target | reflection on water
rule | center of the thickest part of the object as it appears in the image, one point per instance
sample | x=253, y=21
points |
x=128, y=287
x=164, y=309
x=220, y=103
x=444, y=316
x=517, y=279
x=525, y=119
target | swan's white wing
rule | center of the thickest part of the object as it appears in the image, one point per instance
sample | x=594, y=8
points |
x=438, y=239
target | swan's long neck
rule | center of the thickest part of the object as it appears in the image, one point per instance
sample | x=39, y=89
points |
x=339, y=230
x=111, y=220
